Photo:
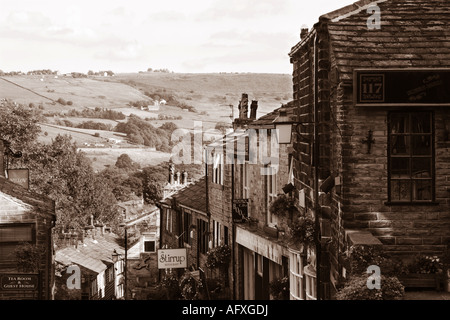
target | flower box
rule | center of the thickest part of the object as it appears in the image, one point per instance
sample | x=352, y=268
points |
x=420, y=280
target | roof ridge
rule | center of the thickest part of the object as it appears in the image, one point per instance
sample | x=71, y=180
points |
x=350, y=10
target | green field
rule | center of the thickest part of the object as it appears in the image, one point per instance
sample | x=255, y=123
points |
x=215, y=98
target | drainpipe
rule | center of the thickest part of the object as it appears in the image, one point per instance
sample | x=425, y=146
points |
x=316, y=152
x=233, y=236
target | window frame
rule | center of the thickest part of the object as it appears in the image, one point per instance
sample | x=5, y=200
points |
x=154, y=246
x=432, y=157
x=5, y=262
x=218, y=166
x=271, y=195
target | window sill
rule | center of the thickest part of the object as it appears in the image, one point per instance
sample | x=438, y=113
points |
x=406, y=203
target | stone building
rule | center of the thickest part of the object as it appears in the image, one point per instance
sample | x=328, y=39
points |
x=25, y=218
x=261, y=241
x=371, y=148
x=185, y=223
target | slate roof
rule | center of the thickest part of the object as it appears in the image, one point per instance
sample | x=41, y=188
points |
x=268, y=119
x=26, y=198
x=413, y=34
x=193, y=196
x=94, y=254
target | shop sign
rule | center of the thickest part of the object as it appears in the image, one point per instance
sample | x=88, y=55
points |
x=172, y=258
x=19, y=176
x=19, y=281
x=402, y=87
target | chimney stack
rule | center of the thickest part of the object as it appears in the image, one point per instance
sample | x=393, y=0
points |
x=171, y=173
x=243, y=107
x=303, y=33
x=184, y=177
x=253, y=109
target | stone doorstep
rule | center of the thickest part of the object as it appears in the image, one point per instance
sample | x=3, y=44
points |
x=357, y=237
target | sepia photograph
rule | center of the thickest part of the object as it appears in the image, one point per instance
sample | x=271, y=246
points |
x=224, y=158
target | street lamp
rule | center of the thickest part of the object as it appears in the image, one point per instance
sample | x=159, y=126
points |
x=283, y=124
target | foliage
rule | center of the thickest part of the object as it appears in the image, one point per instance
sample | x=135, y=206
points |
x=28, y=257
x=218, y=257
x=124, y=162
x=361, y=257
x=65, y=175
x=171, y=285
x=426, y=264
x=279, y=288
x=189, y=287
x=141, y=132
x=356, y=289
x=223, y=127
x=282, y=205
x=19, y=124
x=303, y=231
x=98, y=113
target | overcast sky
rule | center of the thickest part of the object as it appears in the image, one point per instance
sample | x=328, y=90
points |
x=133, y=35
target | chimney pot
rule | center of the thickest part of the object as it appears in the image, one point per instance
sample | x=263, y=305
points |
x=178, y=177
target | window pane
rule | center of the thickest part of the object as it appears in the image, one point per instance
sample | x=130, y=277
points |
x=149, y=246
x=421, y=123
x=399, y=123
x=400, y=145
x=421, y=145
x=400, y=190
x=421, y=168
x=400, y=168
x=7, y=253
x=422, y=190
x=16, y=234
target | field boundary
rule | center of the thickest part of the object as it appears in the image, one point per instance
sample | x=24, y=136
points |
x=22, y=87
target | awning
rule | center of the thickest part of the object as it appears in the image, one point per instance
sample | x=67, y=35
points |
x=260, y=245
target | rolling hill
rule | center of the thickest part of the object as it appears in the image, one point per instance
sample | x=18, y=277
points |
x=210, y=98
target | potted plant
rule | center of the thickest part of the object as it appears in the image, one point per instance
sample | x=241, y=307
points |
x=424, y=272
x=218, y=257
x=279, y=288
x=282, y=206
x=190, y=289
x=302, y=232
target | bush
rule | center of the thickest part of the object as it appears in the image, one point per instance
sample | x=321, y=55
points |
x=356, y=289
x=28, y=257
x=61, y=101
x=171, y=286
x=189, y=288
x=302, y=231
x=281, y=205
x=279, y=288
x=69, y=103
x=218, y=257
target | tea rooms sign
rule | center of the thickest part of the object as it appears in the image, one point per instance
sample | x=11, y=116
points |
x=172, y=258
x=19, y=281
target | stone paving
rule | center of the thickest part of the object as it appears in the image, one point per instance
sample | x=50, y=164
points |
x=426, y=295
